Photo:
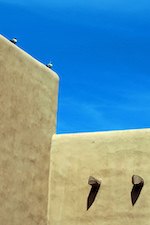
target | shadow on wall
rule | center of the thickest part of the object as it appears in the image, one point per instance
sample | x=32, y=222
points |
x=94, y=190
x=137, y=181
x=138, y=184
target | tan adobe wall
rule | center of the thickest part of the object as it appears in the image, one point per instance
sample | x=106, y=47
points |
x=112, y=157
x=28, y=106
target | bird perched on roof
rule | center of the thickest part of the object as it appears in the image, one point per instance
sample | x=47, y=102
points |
x=49, y=65
x=14, y=40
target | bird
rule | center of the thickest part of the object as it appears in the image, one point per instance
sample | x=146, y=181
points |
x=14, y=40
x=49, y=65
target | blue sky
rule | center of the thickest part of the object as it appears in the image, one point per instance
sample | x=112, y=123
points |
x=101, y=51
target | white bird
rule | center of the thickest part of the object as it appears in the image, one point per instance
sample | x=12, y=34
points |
x=14, y=40
x=49, y=65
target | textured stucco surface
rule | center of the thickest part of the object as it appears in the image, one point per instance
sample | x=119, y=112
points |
x=28, y=105
x=112, y=157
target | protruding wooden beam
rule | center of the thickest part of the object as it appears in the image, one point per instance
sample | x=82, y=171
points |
x=94, y=182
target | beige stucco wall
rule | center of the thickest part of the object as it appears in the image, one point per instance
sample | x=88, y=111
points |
x=28, y=105
x=112, y=157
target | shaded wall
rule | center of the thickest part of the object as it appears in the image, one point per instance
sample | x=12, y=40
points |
x=28, y=105
x=113, y=158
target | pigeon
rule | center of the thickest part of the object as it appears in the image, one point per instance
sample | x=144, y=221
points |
x=49, y=65
x=14, y=40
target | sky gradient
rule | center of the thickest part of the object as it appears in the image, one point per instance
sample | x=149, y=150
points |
x=100, y=50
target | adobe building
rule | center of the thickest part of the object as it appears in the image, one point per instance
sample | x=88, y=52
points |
x=28, y=106
x=67, y=179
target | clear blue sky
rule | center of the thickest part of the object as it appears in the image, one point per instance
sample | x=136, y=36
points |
x=101, y=51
